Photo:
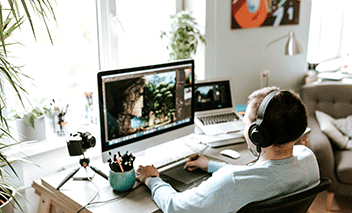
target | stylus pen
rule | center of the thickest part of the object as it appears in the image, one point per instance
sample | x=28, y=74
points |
x=197, y=156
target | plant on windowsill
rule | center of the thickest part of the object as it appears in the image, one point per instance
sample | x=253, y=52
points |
x=184, y=36
x=11, y=18
x=31, y=123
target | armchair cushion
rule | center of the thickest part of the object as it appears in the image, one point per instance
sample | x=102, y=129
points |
x=326, y=123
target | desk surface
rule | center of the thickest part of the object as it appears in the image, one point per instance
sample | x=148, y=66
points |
x=74, y=194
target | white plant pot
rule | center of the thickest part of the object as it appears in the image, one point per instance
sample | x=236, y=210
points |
x=28, y=133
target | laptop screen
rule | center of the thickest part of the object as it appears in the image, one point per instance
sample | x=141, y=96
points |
x=212, y=95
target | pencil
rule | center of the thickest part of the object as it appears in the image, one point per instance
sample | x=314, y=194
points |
x=118, y=161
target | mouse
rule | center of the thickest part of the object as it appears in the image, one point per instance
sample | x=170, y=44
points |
x=230, y=153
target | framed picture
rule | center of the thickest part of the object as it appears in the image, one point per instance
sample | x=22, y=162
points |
x=258, y=13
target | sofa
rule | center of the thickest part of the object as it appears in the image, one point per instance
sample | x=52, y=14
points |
x=335, y=99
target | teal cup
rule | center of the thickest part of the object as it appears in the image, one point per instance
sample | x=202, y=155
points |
x=122, y=181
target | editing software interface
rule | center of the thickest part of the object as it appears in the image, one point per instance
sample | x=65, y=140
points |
x=214, y=95
x=141, y=103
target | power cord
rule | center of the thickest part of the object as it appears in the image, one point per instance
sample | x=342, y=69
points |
x=103, y=202
x=90, y=180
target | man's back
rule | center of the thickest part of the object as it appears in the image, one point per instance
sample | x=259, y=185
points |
x=231, y=187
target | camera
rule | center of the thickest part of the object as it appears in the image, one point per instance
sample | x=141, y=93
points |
x=79, y=142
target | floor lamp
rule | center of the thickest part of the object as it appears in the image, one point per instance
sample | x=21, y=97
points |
x=293, y=47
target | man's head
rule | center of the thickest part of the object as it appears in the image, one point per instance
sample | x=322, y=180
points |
x=285, y=117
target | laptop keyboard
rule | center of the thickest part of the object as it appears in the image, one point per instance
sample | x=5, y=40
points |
x=219, y=118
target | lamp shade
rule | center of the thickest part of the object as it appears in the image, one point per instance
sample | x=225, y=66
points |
x=293, y=46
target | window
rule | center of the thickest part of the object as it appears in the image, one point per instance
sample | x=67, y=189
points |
x=330, y=34
x=90, y=36
x=129, y=32
x=66, y=69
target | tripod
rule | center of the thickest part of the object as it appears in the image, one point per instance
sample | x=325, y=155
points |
x=84, y=163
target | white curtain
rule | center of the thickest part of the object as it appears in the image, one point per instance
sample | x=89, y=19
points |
x=330, y=33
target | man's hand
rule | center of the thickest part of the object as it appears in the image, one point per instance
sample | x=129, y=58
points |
x=143, y=172
x=200, y=163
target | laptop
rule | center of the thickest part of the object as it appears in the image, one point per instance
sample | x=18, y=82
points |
x=215, y=111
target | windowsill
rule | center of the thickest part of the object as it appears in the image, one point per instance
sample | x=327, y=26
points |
x=52, y=142
x=30, y=149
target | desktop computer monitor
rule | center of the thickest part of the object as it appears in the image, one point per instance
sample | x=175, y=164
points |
x=145, y=106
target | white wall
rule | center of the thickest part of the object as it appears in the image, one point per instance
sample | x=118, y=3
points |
x=238, y=53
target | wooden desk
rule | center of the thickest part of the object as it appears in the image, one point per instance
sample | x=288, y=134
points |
x=75, y=194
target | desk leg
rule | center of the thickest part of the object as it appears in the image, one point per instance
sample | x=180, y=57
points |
x=45, y=205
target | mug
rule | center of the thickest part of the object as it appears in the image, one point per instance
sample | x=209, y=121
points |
x=122, y=181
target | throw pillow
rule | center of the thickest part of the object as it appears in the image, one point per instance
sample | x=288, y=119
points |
x=327, y=126
x=344, y=125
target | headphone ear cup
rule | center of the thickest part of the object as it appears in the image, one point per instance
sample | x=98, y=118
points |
x=259, y=135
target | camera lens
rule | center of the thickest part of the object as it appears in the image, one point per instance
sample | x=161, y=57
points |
x=91, y=141
x=88, y=140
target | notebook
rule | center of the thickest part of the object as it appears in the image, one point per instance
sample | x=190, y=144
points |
x=215, y=111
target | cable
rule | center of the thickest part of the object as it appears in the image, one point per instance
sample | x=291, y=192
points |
x=90, y=180
x=255, y=160
x=107, y=201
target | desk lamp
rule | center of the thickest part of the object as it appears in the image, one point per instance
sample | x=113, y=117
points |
x=293, y=47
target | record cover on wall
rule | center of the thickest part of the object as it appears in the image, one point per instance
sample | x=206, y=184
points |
x=258, y=13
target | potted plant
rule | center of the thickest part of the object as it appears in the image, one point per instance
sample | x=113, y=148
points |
x=13, y=14
x=30, y=124
x=184, y=36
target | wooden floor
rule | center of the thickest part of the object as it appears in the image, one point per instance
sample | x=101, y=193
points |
x=341, y=204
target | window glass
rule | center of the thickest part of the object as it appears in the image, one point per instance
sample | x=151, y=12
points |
x=139, y=41
x=67, y=68
x=330, y=30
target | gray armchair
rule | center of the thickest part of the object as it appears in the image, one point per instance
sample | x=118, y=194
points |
x=335, y=99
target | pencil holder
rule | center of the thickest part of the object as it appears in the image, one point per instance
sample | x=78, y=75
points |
x=122, y=181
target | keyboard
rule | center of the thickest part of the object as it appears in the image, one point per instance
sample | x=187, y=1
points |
x=167, y=153
x=219, y=118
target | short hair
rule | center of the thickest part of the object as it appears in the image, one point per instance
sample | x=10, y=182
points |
x=285, y=116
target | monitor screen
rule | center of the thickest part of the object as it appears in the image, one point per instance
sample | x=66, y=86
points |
x=144, y=106
x=212, y=95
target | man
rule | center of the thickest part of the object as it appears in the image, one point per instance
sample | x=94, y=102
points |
x=281, y=167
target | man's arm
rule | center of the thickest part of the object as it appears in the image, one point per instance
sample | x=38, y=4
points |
x=210, y=196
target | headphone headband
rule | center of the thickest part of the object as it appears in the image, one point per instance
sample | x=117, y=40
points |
x=258, y=133
x=264, y=105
